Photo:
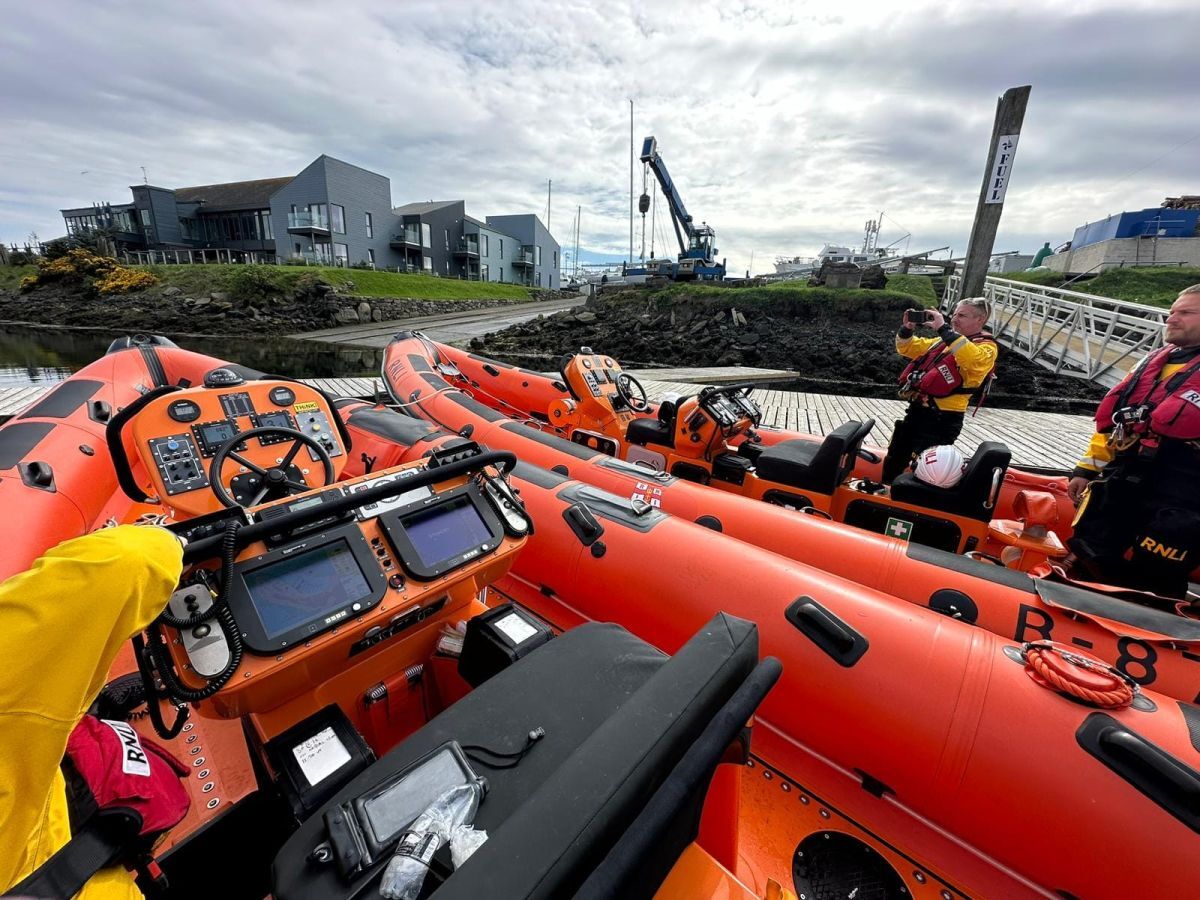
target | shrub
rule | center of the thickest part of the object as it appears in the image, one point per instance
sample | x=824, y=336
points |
x=121, y=281
x=28, y=283
x=254, y=282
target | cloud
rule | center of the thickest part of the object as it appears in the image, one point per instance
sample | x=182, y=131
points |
x=783, y=125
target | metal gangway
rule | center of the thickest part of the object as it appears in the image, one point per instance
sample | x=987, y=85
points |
x=1095, y=338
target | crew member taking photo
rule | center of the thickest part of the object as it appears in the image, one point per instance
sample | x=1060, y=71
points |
x=945, y=373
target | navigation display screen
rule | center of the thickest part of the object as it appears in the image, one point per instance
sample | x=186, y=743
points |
x=305, y=587
x=217, y=433
x=446, y=530
x=275, y=420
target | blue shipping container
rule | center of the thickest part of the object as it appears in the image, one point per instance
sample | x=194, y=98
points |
x=1153, y=221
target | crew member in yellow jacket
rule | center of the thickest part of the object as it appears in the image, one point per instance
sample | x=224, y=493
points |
x=948, y=370
x=61, y=625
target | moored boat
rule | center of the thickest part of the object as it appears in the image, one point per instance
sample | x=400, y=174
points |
x=1154, y=645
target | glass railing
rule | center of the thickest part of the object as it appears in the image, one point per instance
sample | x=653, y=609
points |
x=523, y=256
x=308, y=220
x=467, y=245
x=410, y=235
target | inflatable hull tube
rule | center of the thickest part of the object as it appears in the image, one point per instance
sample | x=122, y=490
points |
x=926, y=732
x=1156, y=649
x=56, y=475
x=522, y=393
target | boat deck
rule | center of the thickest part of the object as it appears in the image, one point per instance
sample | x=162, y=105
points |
x=1053, y=440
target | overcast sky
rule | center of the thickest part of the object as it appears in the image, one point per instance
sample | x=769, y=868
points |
x=785, y=125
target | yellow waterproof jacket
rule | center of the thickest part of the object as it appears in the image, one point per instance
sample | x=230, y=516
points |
x=61, y=626
x=1099, y=453
x=975, y=362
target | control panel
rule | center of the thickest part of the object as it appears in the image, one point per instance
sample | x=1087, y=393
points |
x=314, y=421
x=178, y=435
x=179, y=464
x=367, y=580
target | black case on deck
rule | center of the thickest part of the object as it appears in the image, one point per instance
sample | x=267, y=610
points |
x=303, y=797
x=494, y=641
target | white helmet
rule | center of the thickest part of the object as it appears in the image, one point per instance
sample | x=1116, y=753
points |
x=941, y=466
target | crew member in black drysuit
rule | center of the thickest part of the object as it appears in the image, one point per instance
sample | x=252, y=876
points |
x=1138, y=484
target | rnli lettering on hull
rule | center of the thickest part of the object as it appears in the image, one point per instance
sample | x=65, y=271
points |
x=1135, y=658
x=1163, y=550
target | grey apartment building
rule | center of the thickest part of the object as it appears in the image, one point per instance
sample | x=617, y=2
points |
x=331, y=213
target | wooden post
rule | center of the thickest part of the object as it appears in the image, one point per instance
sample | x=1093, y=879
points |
x=1010, y=113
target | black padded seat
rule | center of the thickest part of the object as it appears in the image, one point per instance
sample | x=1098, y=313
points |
x=618, y=716
x=971, y=496
x=812, y=465
x=659, y=430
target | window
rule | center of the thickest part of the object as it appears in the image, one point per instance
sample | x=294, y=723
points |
x=447, y=232
x=556, y=259
x=145, y=217
x=341, y=255
x=268, y=232
x=320, y=215
x=539, y=279
x=502, y=273
x=537, y=255
x=370, y=228
x=323, y=252
x=338, y=218
x=297, y=246
x=483, y=245
x=483, y=274
x=502, y=253
x=370, y=253
x=426, y=238
x=447, y=267
x=427, y=262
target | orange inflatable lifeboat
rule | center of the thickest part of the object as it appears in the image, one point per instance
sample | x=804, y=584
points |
x=1154, y=645
x=295, y=669
x=947, y=760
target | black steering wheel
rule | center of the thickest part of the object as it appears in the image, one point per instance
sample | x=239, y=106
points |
x=630, y=390
x=280, y=480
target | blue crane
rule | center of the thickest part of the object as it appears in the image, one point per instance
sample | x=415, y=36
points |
x=696, y=253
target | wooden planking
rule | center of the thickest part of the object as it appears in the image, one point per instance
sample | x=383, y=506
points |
x=1041, y=439
x=13, y=400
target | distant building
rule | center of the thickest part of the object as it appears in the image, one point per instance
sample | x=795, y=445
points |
x=1166, y=235
x=1004, y=263
x=331, y=213
x=537, y=257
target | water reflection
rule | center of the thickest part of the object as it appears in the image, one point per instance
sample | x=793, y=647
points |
x=36, y=356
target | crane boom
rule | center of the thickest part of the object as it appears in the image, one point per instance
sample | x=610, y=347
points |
x=696, y=250
x=679, y=214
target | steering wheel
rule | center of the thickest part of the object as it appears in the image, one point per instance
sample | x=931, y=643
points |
x=631, y=391
x=280, y=480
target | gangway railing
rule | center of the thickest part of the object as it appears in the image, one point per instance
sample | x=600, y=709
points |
x=1071, y=333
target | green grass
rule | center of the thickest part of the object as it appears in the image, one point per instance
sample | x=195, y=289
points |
x=196, y=280
x=789, y=292
x=1157, y=285
x=919, y=286
x=10, y=276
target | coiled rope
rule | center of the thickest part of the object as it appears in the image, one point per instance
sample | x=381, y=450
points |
x=1085, y=678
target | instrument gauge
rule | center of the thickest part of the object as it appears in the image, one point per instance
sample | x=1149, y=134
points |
x=184, y=411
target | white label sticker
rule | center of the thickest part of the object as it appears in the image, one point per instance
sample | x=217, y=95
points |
x=1006, y=149
x=321, y=755
x=515, y=628
x=133, y=757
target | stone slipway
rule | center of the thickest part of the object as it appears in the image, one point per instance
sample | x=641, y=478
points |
x=447, y=328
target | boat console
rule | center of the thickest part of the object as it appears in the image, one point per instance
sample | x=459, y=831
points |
x=313, y=575
x=605, y=400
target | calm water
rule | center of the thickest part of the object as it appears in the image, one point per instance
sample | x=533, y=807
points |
x=37, y=356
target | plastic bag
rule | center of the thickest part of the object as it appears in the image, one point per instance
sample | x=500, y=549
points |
x=452, y=812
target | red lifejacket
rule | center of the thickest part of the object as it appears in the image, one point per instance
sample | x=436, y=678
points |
x=935, y=372
x=1147, y=406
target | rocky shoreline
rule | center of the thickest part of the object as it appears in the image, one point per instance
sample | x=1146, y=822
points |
x=839, y=346
x=172, y=312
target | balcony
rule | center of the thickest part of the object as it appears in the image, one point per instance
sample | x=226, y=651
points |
x=523, y=257
x=468, y=246
x=308, y=223
x=409, y=237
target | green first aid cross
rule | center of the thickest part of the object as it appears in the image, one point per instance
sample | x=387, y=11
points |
x=898, y=528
